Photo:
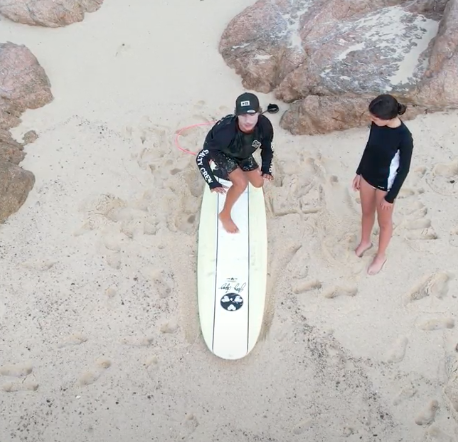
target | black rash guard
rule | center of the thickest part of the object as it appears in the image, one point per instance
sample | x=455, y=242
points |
x=386, y=159
x=226, y=137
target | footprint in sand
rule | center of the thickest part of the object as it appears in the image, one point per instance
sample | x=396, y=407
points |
x=306, y=286
x=416, y=176
x=450, y=391
x=444, y=178
x=92, y=375
x=415, y=224
x=137, y=341
x=131, y=222
x=186, y=218
x=168, y=328
x=16, y=370
x=113, y=298
x=398, y=350
x=437, y=323
x=12, y=387
x=428, y=414
x=435, y=284
x=453, y=240
x=435, y=434
x=161, y=280
x=151, y=366
x=299, y=193
x=97, y=212
x=72, y=340
x=335, y=291
x=301, y=427
x=405, y=394
x=188, y=426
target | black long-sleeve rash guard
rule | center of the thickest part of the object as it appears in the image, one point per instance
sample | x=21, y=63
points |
x=226, y=137
x=386, y=160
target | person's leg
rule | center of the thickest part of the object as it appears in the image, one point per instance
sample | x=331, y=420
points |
x=385, y=221
x=239, y=184
x=252, y=172
x=368, y=207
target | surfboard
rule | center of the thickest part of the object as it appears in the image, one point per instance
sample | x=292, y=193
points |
x=232, y=272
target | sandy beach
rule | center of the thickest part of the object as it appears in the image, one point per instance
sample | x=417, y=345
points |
x=99, y=327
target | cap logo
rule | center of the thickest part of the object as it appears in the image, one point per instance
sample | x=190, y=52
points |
x=245, y=103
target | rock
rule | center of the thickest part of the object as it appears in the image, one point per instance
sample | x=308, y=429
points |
x=15, y=185
x=377, y=53
x=50, y=13
x=10, y=150
x=318, y=115
x=30, y=137
x=439, y=88
x=336, y=55
x=24, y=84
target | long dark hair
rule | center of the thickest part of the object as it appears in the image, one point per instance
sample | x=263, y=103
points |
x=386, y=107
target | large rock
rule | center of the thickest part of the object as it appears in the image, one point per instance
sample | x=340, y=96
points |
x=50, y=13
x=23, y=85
x=318, y=115
x=15, y=185
x=10, y=150
x=439, y=88
x=335, y=55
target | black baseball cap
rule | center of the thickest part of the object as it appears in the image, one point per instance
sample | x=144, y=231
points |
x=246, y=103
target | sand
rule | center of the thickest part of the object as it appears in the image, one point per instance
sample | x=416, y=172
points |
x=99, y=332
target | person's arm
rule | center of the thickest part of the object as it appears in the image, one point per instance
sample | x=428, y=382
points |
x=405, y=158
x=267, y=152
x=363, y=158
x=203, y=163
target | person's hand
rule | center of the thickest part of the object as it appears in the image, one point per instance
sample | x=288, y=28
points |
x=219, y=189
x=385, y=205
x=267, y=176
x=356, y=184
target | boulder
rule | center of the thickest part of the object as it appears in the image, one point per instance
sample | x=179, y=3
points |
x=334, y=56
x=49, y=13
x=15, y=185
x=23, y=85
x=319, y=115
x=439, y=87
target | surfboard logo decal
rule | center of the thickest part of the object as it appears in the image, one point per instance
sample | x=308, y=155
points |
x=231, y=302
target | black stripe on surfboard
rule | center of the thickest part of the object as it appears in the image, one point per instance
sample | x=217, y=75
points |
x=216, y=271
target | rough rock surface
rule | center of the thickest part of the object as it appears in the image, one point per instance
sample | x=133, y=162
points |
x=318, y=115
x=15, y=185
x=50, y=13
x=341, y=53
x=439, y=88
x=23, y=85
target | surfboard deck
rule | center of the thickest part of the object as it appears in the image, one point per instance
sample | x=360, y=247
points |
x=232, y=272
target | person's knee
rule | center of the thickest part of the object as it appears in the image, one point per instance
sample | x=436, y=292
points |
x=258, y=182
x=241, y=183
x=368, y=211
x=384, y=223
x=238, y=180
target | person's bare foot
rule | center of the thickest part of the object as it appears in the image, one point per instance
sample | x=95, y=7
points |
x=377, y=265
x=227, y=223
x=363, y=246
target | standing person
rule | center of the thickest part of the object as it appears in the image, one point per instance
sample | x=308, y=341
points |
x=381, y=173
x=230, y=144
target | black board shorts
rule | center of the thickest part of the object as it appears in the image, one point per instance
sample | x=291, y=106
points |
x=228, y=164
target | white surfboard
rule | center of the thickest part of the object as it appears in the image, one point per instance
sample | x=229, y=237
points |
x=231, y=273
